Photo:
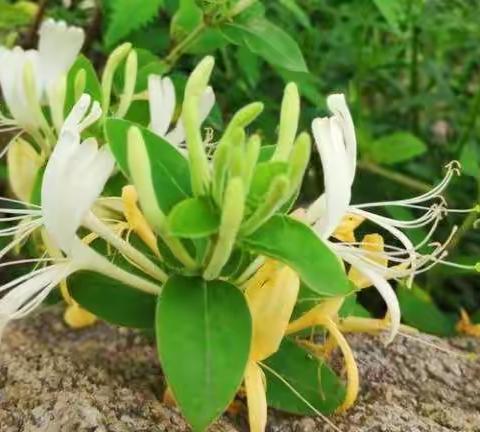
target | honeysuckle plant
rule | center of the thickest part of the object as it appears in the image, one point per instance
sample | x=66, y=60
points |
x=198, y=237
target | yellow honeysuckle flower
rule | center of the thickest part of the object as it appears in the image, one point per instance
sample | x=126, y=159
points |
x=373, y=245
x=77, y=317
x=136, y=220
x=465, y=325
x=345, y=232
x=271, y=295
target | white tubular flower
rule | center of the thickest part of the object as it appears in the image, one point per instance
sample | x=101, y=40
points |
x=161, y=98
x=74, y=178
x=337, y=146
x=26, y=76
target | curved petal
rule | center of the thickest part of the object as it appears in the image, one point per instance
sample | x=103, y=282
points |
x=338, y=106
x=205, y=105
x=161, y=100
x=256, y=398
x=271, y=302
x=58, y=46
x=384, y=289
x=329, y=140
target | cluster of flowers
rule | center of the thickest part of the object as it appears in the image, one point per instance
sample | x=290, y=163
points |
x=59, y=163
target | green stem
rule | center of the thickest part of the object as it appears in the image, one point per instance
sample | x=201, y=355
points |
x=179, y=49
x=396, y=177
x=472, y=121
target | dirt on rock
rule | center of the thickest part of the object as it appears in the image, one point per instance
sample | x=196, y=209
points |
x=107, y=379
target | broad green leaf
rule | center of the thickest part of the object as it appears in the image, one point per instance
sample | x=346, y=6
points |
x=420, y=312
x=193, y=218
x=92, y=84
x=127, y=16
x=113, y=301
x=203, y=333
x=395, y=148
x=310, y=377
x=295, y=244
x=169, y=169
x=268, y=41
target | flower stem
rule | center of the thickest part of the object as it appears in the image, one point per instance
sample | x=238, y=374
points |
x=399, y=178
x=98, y=227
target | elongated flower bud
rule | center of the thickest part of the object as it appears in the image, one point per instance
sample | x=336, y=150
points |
x=299, y=160
x=276, y=196
x=251, y=158
x=232, y=215
x=140, y=172
x=131, y=66
x=289, y=116
x=115, y=58
x=80, y=83
x=199, y=165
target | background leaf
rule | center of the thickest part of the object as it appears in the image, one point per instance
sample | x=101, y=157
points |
x=127, y=16
x=310, y=377
x=268, y=41
x=395, y=148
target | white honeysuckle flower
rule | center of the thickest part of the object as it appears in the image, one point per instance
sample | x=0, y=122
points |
x=337, y=146
x=161, y=98
x=58, y=46
x=75, y=176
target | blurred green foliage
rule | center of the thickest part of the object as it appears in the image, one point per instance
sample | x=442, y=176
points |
x=410, y=69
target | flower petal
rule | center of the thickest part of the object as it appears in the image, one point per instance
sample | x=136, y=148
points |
x=161, y=99
x=329, y=140
x=271, y=304
x=58, y=46
x=256, y=398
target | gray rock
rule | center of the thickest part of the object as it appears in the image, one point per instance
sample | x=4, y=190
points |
x=105, y=379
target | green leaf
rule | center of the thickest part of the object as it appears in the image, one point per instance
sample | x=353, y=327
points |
x=268, y=41
x=393, y=11
x=169, y=169
x=113, y=301
x=186, y=18
x=351, y=307
x=294, y=243
x=203, y=333
x=92, y=84
x=395, y=148
x=420, y=312
x=129, y=15
x=263, y=176
x=469, y=158
x=310, y=377
x=193, y=218
x=297, y=12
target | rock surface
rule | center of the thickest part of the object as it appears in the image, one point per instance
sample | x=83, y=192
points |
x=53, y=379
